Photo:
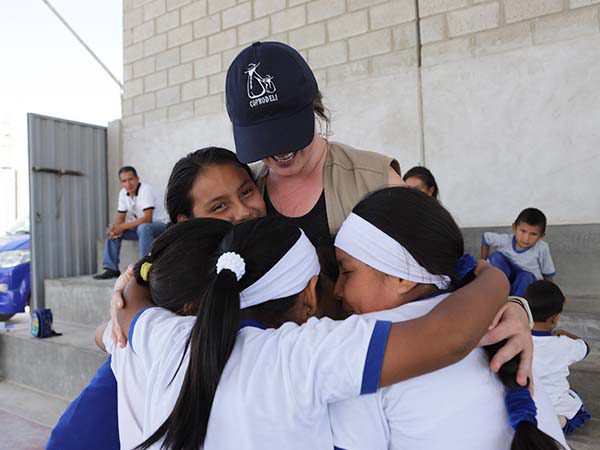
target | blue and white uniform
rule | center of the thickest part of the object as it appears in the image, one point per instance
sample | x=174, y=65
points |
x=131, y=391
x=458, y=407
x=277, y=384
x=535, y=259
x=552, y=356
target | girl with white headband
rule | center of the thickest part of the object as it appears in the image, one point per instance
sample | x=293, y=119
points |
x=243, y=374
x=400, y=254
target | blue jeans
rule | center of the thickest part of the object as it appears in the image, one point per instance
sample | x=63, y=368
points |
x=519, y=278
x=145, y=233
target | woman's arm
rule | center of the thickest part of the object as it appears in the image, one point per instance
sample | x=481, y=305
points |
x=448, y=333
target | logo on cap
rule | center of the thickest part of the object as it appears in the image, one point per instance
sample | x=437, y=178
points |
x=260, y=89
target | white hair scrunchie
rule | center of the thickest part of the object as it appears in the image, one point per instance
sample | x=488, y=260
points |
x=233, y=262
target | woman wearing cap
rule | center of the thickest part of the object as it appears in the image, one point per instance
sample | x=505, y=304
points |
x=305, y=178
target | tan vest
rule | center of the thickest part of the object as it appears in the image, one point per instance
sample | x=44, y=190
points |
x=348, y=175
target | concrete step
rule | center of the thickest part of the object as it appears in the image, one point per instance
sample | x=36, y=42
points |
x=80, y=300
x=587, y=437
x=585, y=379
x=28, y=414
x=60, y=365
x=130, y=253
x=581, y=316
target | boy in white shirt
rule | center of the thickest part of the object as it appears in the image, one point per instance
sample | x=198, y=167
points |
x=523, y=256
x=554, y=350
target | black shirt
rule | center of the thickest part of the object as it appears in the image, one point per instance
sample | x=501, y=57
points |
x=314, y=223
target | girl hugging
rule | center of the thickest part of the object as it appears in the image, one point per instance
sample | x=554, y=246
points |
x=233, y=351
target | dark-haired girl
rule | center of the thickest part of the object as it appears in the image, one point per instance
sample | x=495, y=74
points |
x=403, y=265
x=210, y=182
x=422, y=179
x=243, y=373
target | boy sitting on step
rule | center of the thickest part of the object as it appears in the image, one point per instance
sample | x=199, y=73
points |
x=554, y=350
x=523, y=256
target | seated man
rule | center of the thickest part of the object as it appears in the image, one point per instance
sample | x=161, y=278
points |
x=150, y=218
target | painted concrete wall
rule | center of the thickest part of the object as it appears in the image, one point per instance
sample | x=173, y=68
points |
x=510, y=90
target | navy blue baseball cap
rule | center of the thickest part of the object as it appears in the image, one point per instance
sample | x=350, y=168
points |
x=270, y=91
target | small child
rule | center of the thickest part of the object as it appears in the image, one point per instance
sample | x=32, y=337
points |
x=554, y=350
x=522, y=256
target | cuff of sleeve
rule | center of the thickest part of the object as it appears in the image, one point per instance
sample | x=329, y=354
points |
x=374, y=359
x=587, y=351
x=107, y=337
x=483, y=239
x=132, y=326
x=549, y=274
x=148, y=207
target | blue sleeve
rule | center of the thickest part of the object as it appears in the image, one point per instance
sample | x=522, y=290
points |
x=91, y=418
x=374, y=359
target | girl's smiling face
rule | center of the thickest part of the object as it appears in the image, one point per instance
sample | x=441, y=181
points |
x=363, y=289
x=226, y=192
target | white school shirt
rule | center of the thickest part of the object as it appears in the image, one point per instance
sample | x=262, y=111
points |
x=146, y=198
x=535, y=259
x=552, y=356
x=276, y=386
x=458, y=407
x=131, y=391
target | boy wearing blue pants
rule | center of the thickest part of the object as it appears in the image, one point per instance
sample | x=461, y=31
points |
x=523, y=256
x=554, y=350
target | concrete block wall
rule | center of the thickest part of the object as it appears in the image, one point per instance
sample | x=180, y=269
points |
x=503, y=81
x=176, y=53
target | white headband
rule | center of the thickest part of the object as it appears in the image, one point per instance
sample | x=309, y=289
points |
x=287, y=277
x=367, y=243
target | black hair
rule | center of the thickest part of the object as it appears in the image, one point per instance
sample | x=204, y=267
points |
x=427, y=230
x=126, y=169
x=261, y=243
x=533, y=217
x=178, y=196
x=425, y=175
x=527, y=435
x=545, y=299
x=419, y=223
x=181, y=259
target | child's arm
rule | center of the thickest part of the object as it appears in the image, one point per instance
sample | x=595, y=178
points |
x=485, y=249
x=546, y=263
x=448, y=333
x=100, y=333
x=561, y=332
x=136, y=298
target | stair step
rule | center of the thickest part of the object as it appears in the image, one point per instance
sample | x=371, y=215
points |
x=130, y=253
x=30, y=404
x=586, y=437
x=29, y=415
x=60, y=365
x=80, y=300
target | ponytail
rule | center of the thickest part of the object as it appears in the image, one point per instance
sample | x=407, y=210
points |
x=521, y=408
x=519, y=403
x=139, y=268
x=210, y=343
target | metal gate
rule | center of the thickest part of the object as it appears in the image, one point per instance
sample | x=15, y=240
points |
x=68, y=199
